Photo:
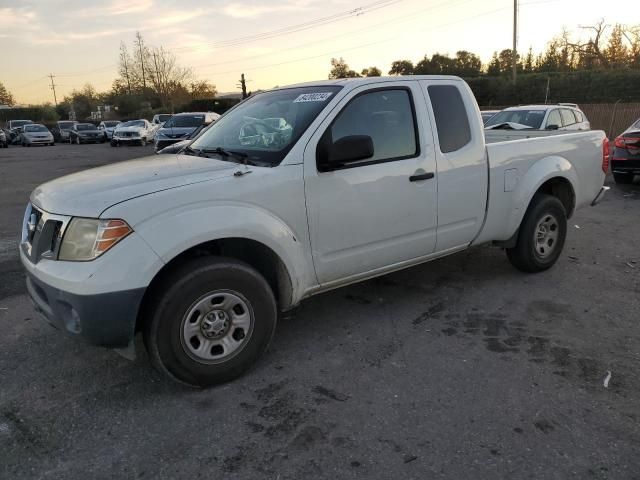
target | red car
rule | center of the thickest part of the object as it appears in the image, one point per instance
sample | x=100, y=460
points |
x=625, y=162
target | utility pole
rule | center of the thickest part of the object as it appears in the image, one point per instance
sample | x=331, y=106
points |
x=514, y=53
x=53, y=87
x=243, y=85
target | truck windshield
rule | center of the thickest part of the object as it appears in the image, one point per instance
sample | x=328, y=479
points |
x=530, y=118
x=267, y=125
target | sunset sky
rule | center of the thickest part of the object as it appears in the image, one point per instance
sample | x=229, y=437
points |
x=78, y=40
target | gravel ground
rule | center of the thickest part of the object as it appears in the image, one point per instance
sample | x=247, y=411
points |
x=462, y=368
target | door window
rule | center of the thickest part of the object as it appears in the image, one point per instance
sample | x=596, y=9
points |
x=387, y=116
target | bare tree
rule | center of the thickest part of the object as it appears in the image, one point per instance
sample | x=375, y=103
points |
x=142, y=57
x=166, y=76
x=125, y=66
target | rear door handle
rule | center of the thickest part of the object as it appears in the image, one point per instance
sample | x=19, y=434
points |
x=421, y=176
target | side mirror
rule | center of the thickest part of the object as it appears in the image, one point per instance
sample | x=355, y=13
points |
x=346, y=149
x=552, y=126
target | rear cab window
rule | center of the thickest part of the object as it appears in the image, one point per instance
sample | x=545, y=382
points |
x=452, y=120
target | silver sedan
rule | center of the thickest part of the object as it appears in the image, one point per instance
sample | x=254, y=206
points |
x=36, y=134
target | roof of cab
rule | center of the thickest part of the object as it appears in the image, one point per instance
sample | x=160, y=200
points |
x=355, y=82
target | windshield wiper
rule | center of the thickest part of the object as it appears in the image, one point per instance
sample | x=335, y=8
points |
x=242, y=157
x=191, y=151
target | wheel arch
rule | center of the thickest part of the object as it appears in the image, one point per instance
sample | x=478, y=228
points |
x=252, y=252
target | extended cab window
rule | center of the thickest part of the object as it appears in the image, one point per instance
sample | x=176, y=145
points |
x=452, y=122
x=384, y=115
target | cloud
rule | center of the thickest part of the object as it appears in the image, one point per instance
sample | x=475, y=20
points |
x=172, y=17
x=114, y=8
x=247, y=10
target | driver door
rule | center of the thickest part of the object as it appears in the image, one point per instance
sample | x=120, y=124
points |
x=373, y=214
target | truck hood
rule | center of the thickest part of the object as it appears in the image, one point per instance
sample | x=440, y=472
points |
x=90, y=192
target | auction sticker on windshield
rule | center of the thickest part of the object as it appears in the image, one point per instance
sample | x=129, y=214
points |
x=313, y=97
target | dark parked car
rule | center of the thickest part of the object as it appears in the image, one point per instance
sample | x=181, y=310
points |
x=625, y=161
x=85, y=133
x=62, y=129
x=177, y=147
x=4, y=139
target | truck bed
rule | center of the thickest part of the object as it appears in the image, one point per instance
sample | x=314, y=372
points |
x=518, y=167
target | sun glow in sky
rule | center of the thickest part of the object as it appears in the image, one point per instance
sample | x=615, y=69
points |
x=78, y=40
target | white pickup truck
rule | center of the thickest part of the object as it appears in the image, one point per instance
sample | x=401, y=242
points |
x=293, y=192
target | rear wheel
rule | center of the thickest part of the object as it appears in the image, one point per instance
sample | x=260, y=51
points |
x=541, y=236
x=623, y=178
x=209, y=321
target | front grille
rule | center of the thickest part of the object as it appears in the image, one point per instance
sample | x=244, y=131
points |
x=128, y=134
x=42, y=234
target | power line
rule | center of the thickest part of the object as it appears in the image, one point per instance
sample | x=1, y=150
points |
x=410, y=17
x=354, y=12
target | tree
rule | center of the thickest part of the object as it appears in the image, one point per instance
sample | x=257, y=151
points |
x=401, y=67
x=202, y=90
x=466, y=64
x=371, y=72
x=528, y=65
x=493, y=68
x=83, y=102
x=616, y=51
x=167, y=78
x=142, y=59
x=340, y=69
x=6, y=98
x=125, y=67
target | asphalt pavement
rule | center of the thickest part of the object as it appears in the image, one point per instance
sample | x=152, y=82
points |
x=462, y=368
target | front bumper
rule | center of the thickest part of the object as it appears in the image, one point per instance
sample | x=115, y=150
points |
x=97, y=301
x=38, y=141
x=106, y=320
x=127, y=139
x=91, y=139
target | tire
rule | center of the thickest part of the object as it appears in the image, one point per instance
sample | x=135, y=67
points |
x=175, y=323
x=143, y=142
x=623, y=178
x=541, y=235
x=113, y=144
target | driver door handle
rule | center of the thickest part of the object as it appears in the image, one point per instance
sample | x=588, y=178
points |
x=421, y=176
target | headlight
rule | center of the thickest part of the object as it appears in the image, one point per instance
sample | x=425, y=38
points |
x=88, y=238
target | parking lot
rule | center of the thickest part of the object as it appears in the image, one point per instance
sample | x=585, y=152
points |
x=460, y=368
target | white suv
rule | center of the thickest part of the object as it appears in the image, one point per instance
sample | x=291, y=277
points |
x=561, y=116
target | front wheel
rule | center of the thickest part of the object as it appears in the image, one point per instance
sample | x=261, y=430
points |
x=541, y=236
x=209, y=321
